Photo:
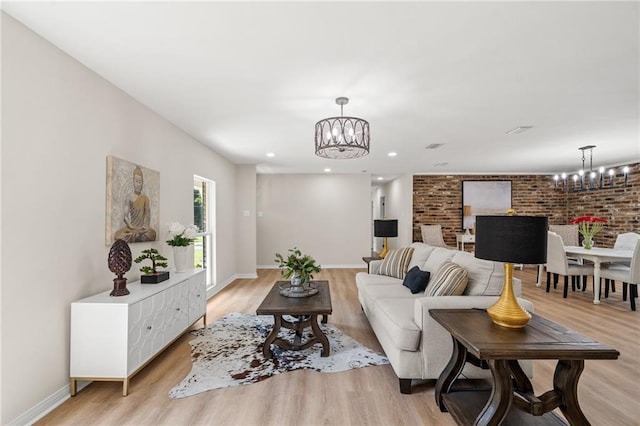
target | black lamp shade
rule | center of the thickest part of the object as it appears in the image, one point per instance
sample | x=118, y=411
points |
x=513, y=239
x=385, y=228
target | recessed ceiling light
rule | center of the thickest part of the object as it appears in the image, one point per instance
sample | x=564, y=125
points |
x=392, y=154
x=519, y=129
x=327, y=170
x=433, y=146
x=270, y=154
x=380, y=178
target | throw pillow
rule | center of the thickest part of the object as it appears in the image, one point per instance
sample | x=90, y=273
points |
x=395, y=263
x=450, y=280
x=416, y=280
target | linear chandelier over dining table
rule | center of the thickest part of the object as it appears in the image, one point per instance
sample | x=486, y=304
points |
x=589, y=180
x=342, y=137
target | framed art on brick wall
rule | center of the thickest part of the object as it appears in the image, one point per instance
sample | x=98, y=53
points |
x=488, y=197
x=133, y=202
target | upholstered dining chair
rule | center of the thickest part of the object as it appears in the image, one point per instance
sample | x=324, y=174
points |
x=629, y=275
x=432, y=235
x=558, y=264
x=624, y=241
x=568, y=233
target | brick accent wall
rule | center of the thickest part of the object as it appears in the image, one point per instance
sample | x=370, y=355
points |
x=437, y=199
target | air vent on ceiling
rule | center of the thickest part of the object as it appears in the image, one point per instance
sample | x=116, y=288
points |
x=433, y=146
x=518, y=130
x=440, y=164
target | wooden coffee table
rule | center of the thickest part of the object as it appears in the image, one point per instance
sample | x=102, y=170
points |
x=305, y=310
x=511, y=400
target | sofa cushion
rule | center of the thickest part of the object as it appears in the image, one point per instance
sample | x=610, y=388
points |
x=395, y=263
x=397, y=314
x=421, y=252
x=374, y=279
x=416, y=280
x=437, y=257
x=485, y=277
x=450, y=280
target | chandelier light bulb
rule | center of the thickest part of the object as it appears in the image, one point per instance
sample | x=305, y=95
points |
x=581, y=172
x=563, y=176
x=625, y=169
x=611, y=172
x=601, y=170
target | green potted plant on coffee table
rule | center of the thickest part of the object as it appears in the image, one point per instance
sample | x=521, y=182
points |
x=297, y=266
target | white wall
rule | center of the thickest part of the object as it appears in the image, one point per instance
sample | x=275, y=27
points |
x=246, y=214
x=398, y=205
x=60, y=121
x=326, y=216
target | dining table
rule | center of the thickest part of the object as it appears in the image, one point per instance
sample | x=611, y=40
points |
x=598, y=255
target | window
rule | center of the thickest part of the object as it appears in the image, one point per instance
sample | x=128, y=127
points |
x=204, y=219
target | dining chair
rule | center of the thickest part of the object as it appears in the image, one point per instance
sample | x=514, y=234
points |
x=568, y=233
x=629, y=275
x=624, y=241
x=558, y=264
x=432, y=235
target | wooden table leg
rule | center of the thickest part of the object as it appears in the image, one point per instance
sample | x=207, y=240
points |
x=497, y=407
x=565, y=381
x=450, y=372
x=74, y=386
x=320, y=335
x=266, y=349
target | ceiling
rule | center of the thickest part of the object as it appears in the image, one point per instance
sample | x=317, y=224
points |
x=251, y=78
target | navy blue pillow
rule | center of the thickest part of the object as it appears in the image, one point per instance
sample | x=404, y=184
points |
x=416, y=280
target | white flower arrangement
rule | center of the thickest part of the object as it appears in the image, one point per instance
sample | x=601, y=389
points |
x=180, y=235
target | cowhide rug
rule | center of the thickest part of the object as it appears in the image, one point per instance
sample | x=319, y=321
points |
x=228, y=353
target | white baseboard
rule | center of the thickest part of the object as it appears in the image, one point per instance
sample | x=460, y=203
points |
x=45, y=406
x=349, y=266
x=219, y=286
x=246, y=276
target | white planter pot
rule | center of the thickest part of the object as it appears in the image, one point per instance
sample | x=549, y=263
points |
x=181, y=258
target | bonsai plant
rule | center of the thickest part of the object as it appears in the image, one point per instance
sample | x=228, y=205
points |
x=151, y=273
x=300, y=267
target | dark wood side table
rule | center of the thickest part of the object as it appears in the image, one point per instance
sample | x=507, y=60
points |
x=478, y=340
x=368, y=259
x=304, y=309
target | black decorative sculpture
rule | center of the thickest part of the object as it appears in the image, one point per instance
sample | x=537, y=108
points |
x=119, y=264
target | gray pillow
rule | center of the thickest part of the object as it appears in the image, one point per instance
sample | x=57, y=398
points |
x=450, y=280
x=396, y=262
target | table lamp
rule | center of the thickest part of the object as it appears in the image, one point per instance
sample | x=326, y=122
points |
x=466, y=212
x=385, y=228
x=511, y=239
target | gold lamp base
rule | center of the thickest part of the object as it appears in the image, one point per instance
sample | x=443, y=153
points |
x=507, y=312
x=385, y=249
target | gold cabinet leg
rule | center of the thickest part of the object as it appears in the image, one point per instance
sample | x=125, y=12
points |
x=74, y=386
x=125, y=387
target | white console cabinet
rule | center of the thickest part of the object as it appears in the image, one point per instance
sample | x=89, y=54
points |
x=112, y=338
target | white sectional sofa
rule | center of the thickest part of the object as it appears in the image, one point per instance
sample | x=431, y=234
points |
x=416, y=345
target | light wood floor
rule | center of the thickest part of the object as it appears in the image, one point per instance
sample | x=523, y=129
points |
x=608, y=390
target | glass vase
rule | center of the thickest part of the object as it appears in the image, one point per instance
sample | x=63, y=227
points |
x=587, y=242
